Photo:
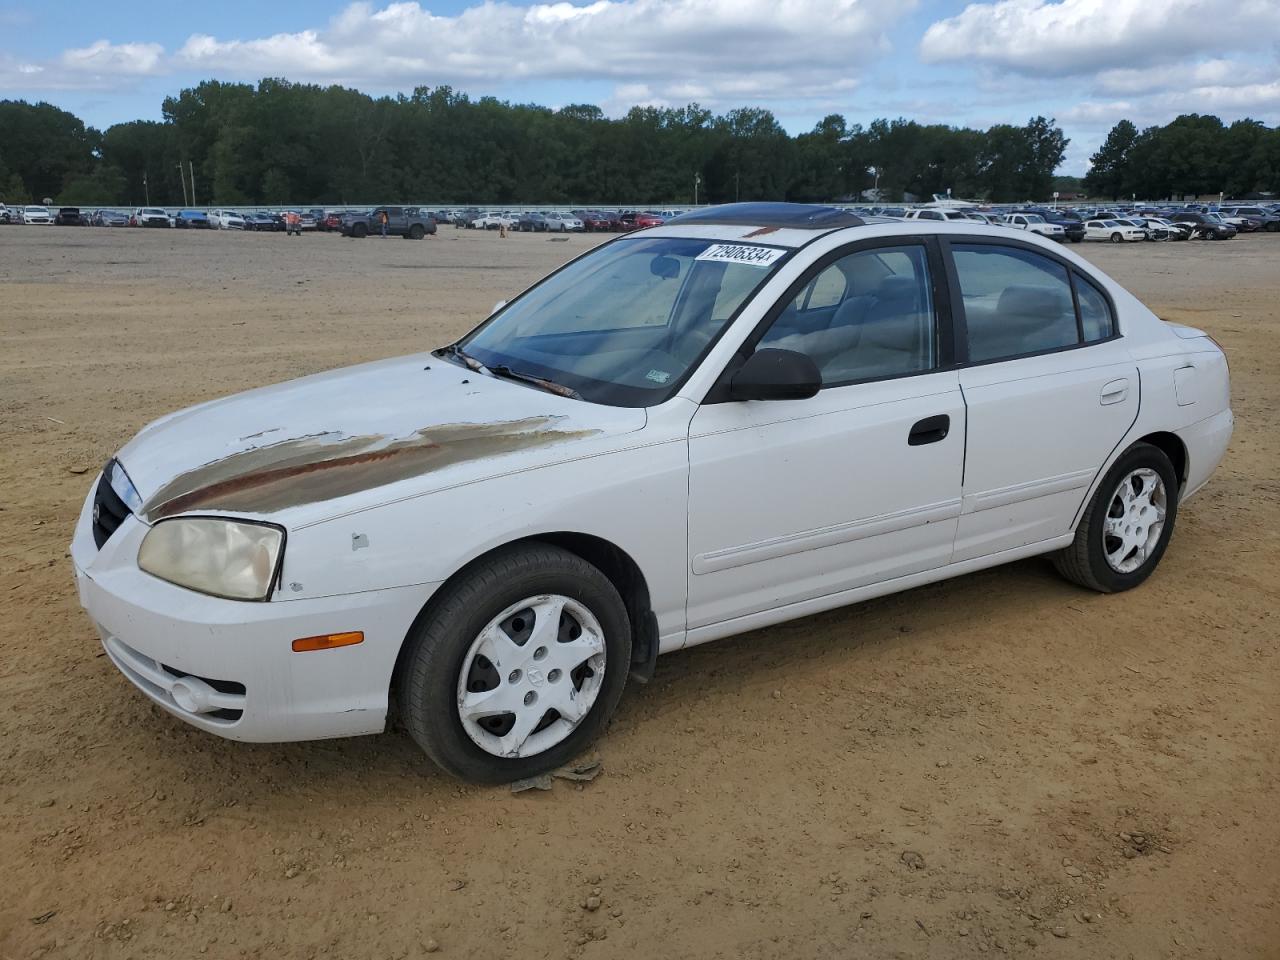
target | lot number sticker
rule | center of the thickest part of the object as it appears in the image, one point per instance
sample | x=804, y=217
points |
x=739, y=253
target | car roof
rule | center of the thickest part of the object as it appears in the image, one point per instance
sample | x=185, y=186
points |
x=869, y=227
x=793, y=216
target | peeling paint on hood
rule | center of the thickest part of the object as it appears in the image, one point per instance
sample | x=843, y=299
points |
x=315, y=468
x=345, y=433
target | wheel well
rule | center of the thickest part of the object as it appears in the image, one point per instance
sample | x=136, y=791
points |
x=1173, y=447
x=614, y=562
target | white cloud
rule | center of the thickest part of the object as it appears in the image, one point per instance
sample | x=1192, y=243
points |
x=766, y=50
x=1092, y=63
x=101, y=65
x=1077, y=37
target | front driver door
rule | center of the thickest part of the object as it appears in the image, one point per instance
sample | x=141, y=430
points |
x=800, y=499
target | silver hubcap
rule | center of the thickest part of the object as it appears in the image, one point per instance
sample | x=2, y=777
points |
x=531, y=676
x=1135, y=520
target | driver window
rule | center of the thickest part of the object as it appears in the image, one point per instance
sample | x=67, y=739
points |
x=866, y=316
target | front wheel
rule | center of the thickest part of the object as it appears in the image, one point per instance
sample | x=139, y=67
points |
x=517, y=665
x=416, y=232
x=1116, y=238
x=1127, y=525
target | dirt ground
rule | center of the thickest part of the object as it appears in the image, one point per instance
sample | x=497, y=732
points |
x=1002, y=764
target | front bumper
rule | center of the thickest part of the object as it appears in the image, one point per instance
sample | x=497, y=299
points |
x=227, y=666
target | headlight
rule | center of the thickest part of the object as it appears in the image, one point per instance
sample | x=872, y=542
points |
x=225, y=558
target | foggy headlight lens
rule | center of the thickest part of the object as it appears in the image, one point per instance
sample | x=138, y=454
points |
x=224, y=558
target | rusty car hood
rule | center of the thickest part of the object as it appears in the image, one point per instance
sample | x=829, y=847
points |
x=353, y=438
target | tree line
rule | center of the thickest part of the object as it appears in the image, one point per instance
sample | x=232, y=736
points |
x=278, y=142
x=1193, y=155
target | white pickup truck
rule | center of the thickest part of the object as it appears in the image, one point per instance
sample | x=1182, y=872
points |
x=1035, y=224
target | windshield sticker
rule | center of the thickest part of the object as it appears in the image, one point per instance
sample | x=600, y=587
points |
x=740, y=253
x=658, y=376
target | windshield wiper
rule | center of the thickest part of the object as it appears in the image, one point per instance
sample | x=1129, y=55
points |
x=502, y=370
x=455, y=352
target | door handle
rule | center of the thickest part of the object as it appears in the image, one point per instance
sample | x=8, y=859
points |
x=929, y=430
x=1114, y=392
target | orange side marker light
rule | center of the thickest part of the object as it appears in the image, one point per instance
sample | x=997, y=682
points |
x=328, y=641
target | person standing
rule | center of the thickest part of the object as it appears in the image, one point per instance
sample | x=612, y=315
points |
x=382, y=218
x=292, y=223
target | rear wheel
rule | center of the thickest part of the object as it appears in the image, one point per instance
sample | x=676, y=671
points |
x=359, y=230
x=1127, y=525
x=517, y=666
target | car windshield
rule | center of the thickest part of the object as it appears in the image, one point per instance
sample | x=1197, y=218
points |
x=1034, y=218
x=625, y=324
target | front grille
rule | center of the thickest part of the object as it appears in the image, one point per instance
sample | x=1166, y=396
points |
x=109, y=511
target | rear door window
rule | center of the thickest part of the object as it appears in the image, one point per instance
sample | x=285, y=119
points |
x=1015, y=301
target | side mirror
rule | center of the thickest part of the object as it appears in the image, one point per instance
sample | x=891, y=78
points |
x=668, y=268
x=771, y=374
x=497, y=306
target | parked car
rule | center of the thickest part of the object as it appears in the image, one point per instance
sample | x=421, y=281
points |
x=226, y=220
x=564, y=223
x=408, y=222
x=6, y=215
x=261, y=222
x=593, y=221
x=332, y=222
x=1205, y=226
x=149, y=217
x=1035, y=223
x=1243, y=222
x=638, y=221
x=1072, y=226
x=37, y=214
x=531, y=222
x=925, y=213
x=1265, y=218
x=1159, y=228
x=191, y=220
x=494, y=220
x=70, y=217
x=109, y=218
x=1113, y=231
x=256, y=565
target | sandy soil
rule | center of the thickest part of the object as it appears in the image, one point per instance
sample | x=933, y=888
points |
x=1001, y=764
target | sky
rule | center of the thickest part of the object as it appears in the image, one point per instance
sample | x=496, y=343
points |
x=1086, y=63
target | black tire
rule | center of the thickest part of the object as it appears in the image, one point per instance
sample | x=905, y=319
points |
x=439, y=641
x=1084, y=562
x=359, y=230
x=1116, y=238
x=416, y=232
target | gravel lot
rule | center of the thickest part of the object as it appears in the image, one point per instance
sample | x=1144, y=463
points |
x=1002, y=764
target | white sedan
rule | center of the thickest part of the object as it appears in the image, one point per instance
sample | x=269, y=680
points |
x=37, y=214
x=1113, y=231
x=226, y=220
x=753, y=413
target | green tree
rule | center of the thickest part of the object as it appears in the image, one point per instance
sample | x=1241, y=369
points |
x=1109, y=167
